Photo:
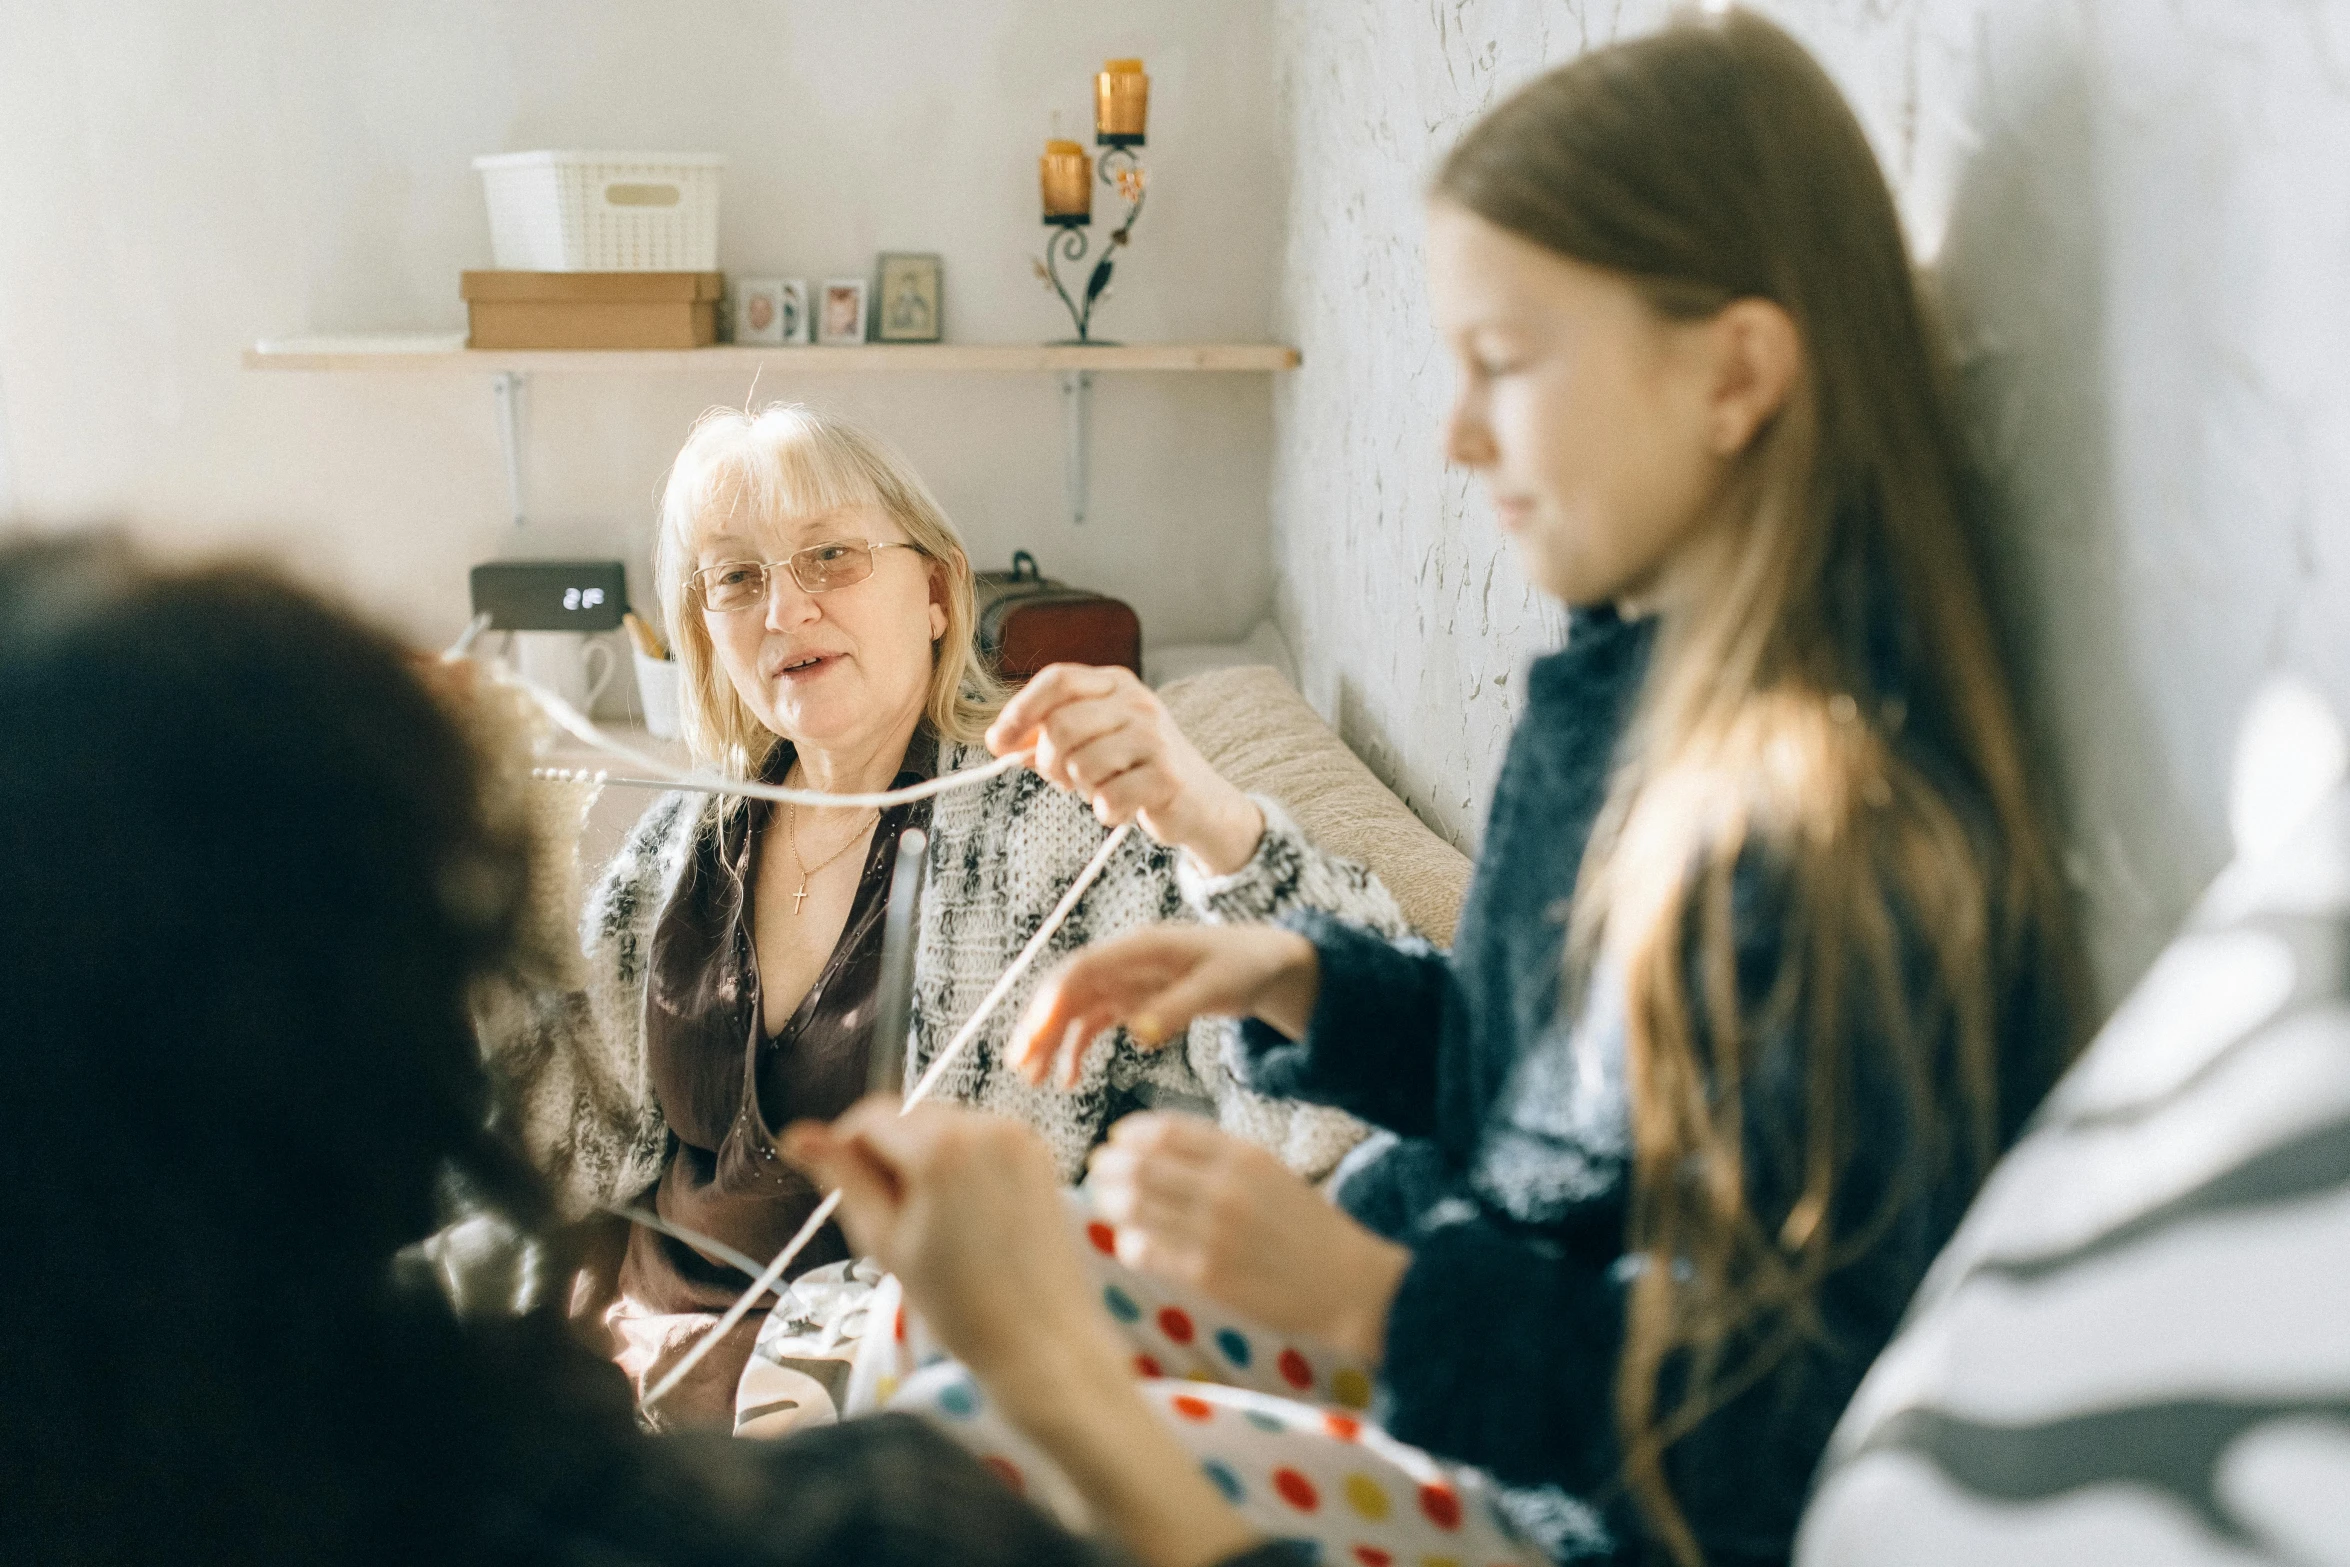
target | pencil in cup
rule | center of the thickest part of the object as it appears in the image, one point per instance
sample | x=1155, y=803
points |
x=656, y=675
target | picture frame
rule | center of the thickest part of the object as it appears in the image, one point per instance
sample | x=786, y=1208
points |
x=794, y=301
x=759, y=310
x=909, y=298
x=840, y=314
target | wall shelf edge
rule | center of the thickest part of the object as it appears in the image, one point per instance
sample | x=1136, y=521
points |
x=413, y=354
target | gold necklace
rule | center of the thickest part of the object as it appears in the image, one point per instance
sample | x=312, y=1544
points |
x=791, y=834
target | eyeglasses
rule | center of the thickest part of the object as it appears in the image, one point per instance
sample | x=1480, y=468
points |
x=735, y=585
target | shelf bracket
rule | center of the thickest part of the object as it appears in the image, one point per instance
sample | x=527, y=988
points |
x=1076, y=406
x=507, y=387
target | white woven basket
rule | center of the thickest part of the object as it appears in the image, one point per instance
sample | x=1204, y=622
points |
x=603, y=211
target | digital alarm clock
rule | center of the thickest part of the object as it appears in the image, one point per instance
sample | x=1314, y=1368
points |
x=551, y=595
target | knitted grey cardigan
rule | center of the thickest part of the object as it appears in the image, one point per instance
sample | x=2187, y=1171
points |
x=1001, y=855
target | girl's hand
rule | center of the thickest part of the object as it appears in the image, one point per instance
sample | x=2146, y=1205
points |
x=1204, y=1208
x=1156, y=980
x=965, y=1208
x=1103, y=734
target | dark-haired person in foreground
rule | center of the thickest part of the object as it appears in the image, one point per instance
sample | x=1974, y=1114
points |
x=254, y=869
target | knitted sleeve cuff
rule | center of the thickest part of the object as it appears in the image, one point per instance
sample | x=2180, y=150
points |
x=1501, y=1351
x=1371, y=1045
x=1287, y=872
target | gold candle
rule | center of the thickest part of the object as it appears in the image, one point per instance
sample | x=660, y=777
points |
x=1121, y=103
x=1066, y=174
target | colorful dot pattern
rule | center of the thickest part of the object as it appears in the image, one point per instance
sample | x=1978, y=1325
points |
x=1281, y=1429
x=1185, y=1334
x=1321, y=1476
x=1328, y=1476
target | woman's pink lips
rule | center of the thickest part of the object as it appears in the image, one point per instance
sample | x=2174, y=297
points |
x=824, y=661
x=1512, y=513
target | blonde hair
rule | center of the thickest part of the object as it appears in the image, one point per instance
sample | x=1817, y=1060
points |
x=788, y=460
x=1712, y=162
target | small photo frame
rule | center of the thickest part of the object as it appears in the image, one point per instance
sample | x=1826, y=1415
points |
x=759, y=310
x=794, y=302
x=909, y=298
x=840, y=315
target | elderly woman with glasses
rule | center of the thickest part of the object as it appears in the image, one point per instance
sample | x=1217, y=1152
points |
x=823, y=612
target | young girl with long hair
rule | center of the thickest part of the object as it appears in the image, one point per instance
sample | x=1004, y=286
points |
x=1765, y=959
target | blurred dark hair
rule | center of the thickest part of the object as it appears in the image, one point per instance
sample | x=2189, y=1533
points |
x=249, y=882
x=253, y=869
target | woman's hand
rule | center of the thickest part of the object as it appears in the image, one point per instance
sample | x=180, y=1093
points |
x=1156, y=980
x=964, y=1208
x=1197, y=1205
x=1103, y=734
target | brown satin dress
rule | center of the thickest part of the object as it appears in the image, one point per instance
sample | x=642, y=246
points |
x=727, y=1088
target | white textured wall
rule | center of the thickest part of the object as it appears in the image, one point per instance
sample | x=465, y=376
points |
x=2143, y=231
x=181, y=177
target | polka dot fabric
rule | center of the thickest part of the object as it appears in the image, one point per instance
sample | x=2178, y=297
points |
x=1274, y=1422
x=1181, y=1333
x=1293, y=1470
x=1174, y=1332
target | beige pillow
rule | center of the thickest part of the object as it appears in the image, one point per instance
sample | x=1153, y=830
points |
x=1258, y=732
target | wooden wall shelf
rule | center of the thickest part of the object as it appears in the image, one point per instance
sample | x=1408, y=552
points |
x=509, y=371
x=447, y=352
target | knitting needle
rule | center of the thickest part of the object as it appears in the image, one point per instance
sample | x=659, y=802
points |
x=893, y=1013
x=465, y=639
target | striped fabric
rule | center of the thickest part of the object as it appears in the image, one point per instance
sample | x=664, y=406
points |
x=2137, y=1348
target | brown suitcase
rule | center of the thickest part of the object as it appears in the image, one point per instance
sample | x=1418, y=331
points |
x=1027, y=620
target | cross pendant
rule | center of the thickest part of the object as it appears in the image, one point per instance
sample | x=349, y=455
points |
x=800, y=896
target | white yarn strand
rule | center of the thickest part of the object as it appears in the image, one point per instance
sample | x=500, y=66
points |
x=735, y=1313
x=708, y=1244
x=929, y=1080
x=1020, y=965
x=712, y=783
x=660, y=775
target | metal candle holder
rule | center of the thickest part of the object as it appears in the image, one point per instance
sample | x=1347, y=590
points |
x=1122, y=172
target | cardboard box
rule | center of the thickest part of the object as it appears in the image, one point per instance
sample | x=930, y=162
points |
x=592, y=309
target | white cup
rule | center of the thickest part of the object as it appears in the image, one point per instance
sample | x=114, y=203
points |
x=656, y=690
x=575, y=667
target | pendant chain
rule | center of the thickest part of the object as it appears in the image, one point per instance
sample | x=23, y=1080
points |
x=791, y=833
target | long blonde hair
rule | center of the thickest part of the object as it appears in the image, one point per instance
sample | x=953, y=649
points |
x=1710, y=162
x=788, y=460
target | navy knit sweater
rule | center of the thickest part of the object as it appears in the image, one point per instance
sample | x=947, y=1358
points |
x=1508, y=1182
